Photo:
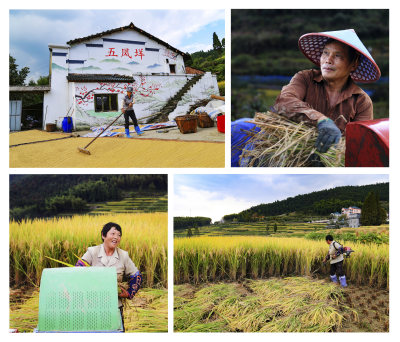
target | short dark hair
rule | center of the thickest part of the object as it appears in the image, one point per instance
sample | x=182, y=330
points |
x=329, y=238
x=353, y=54
x=108, y=226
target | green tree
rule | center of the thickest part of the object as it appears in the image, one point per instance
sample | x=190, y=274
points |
x=216, y=42
x=275, y=227
x=189, y=233
x=42, y=81
x=371, y=214
x=17, y=77
x=223, y=43
x=383, y=215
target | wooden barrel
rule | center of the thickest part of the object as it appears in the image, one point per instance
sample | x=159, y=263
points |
x=204, y=121
x=187, y=123
x=50, y=127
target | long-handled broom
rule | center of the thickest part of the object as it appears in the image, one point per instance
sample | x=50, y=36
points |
x=84, y=150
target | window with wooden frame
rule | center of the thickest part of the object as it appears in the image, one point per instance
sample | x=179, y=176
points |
x=106, y=102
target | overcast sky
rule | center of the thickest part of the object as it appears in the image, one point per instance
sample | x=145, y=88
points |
x=217, y=195
x=31, y=31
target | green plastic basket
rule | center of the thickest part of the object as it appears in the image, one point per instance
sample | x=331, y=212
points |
x=79, y=299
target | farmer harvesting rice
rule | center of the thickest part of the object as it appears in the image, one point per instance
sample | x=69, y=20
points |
x=127, y=109
x=109, y=255
x=336, y=260
x=328, y=98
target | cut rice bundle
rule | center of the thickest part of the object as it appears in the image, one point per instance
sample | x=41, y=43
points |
x=284, y=143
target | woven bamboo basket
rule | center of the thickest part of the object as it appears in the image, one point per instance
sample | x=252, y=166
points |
x=204, y=120
x=187, y=123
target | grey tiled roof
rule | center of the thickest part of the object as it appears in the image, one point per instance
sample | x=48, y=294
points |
x=99, y=78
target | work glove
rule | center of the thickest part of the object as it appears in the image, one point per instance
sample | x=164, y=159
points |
x=328, y=134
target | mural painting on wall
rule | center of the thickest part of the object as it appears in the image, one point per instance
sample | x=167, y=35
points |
x=84, y=97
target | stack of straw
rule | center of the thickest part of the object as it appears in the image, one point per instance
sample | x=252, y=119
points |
x=284, y=143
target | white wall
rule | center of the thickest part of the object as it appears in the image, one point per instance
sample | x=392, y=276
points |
x=123, y=58
x=203, y=89
x=58, y=100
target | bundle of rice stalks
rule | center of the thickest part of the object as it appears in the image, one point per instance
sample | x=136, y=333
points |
x=284, y=143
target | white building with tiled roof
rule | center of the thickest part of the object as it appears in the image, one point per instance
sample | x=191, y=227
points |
x=89, y=77
x=351, y=210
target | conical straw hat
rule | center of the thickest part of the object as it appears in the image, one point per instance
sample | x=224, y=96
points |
x=312, y=44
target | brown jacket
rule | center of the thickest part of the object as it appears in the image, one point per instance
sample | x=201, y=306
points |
x=305, y=99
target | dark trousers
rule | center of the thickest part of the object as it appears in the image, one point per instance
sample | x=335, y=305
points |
x=130, y=114
x=122, y=317
x=337, y=267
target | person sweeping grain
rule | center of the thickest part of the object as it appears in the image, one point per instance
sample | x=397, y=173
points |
x=109, y=255
x=336, y=261
x=328, y=98
x=128, y=111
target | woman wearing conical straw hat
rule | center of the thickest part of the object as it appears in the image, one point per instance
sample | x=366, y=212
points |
x=328, y=98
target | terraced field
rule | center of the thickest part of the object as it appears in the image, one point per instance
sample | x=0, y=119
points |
x=146, y=204
x=291, y=229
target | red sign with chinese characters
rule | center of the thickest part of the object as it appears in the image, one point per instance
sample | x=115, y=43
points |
x=125, y=53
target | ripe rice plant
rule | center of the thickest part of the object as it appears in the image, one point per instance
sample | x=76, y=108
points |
x=295, y=304
x=144, y=236
x=201, y=259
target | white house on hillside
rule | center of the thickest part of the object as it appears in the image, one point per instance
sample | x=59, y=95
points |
x=89, y=77
x=351, y=210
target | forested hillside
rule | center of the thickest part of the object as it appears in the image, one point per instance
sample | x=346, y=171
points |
x=190, y=222
x=48, y=195
x=212, y=60
x=319, y=202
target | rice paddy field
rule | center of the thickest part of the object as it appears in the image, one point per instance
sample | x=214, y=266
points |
x=202, y=259
x=110, y=152
x=138, y=204
x=270, y=284
x=367, y=235
x=144, y=236
x=292, y=229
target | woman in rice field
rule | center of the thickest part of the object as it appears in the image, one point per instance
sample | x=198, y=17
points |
x=127, y=109
x=336, y=261
x=328, y=98
x=109, y=255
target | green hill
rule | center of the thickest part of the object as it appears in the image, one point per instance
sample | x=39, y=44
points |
x=316, y=203
x=51, y=195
